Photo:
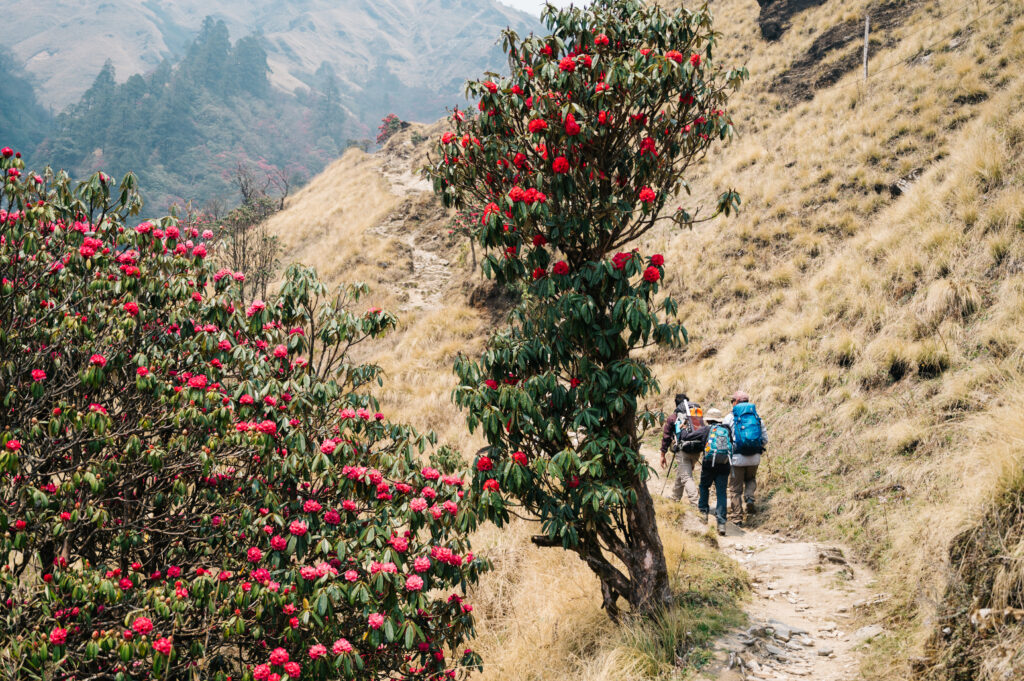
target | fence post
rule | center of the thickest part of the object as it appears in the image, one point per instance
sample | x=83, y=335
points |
x=867, y=28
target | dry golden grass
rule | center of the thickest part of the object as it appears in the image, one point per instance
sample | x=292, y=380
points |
x=880, y=335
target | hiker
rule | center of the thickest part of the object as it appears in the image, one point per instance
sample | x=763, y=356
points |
x=714, y=466
x=683, y=433
x=749, y=438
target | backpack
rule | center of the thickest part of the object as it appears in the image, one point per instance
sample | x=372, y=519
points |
x=718, y=449
x=688, y=419
x=747, y=429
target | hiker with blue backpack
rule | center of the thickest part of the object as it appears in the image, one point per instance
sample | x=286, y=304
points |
x=749, y=441
x=714, y=466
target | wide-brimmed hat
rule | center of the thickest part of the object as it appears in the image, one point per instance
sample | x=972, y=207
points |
x=714, y=414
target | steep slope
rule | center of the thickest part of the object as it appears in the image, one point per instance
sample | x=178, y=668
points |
x=406, y=56
x=870, y=296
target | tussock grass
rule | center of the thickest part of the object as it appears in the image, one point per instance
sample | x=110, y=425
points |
x=539, y=618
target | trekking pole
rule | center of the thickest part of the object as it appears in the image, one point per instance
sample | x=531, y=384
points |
x=668, y=472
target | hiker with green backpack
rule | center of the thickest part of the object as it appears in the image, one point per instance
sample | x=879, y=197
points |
x=749, y=441
x=714, y=466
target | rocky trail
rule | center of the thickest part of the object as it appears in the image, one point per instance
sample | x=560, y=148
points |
x=809, y=609
x=429, y=274
x=805, y=614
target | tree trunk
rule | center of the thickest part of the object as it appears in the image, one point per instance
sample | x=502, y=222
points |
x=645, y=555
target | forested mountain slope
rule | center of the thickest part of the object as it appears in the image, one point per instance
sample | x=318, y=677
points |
x=870, y=296
x=409, y=57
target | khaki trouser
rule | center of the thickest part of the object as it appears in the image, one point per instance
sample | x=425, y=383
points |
x=685, y=463
x=742, y=485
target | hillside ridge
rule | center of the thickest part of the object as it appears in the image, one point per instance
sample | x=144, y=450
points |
x=870, y=296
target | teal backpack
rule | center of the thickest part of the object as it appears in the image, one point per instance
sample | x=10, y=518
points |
x=748, y=428
x=718, y=450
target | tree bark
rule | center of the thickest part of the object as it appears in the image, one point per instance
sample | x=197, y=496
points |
x=645, y=556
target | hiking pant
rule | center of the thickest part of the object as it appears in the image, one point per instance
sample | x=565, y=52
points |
x=742, y=485
x=720, y=476
x=685, y=464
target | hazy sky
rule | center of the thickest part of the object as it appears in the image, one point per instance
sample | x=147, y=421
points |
x=533, y=6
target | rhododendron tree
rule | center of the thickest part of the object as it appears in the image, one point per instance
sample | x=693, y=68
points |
x=389, y=125
x=573, y=157
x=194, y=487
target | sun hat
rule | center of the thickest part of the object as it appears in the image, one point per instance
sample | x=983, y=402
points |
x=713, y=414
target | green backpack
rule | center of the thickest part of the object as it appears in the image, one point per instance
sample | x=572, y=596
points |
x=718, y=450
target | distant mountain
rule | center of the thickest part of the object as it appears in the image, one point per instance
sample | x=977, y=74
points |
x=183, y=129
x=410, y=57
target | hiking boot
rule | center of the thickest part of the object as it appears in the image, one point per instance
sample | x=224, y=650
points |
x=750, y=506
x=704, y=518
x=721, y=529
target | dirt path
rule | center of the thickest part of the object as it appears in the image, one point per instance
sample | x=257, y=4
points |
x=427, y=281
x=807, y=613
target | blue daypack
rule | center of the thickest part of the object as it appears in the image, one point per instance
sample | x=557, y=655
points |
x=719, y=448
x=748, y=431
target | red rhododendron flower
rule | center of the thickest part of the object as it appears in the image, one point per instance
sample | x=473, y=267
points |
x=131, y=308
x=98, y=360
x=619, y=260
x=491, y=86
x=413, y=583
x=519, y=458
x=254, y=554
x=341, y=646
x=297, y=528
x=568, y=64
x=484, y=463
x=491, y=383
x=675, y=56
x=163, y=645
x=560, y=165
x=657, y=260
x=601, y=39
x=58, y=636
x=647, y=195
x=539, y=273
x=695, y=59
x=571, y=127
x=38, y=375
x=447, y=138
x=142, y=625
x=538, y=125
x=651, y=274
x=492, y=485
x=560, y=267
x=539, y=240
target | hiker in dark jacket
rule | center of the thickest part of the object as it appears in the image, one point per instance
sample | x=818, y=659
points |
x=711, y=472
x=685, y=461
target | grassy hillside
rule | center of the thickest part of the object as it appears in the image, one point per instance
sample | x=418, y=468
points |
x=870, y=296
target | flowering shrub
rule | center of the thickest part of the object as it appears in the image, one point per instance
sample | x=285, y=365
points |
x=195, y=488
x=573, y=157
x=389, y=125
